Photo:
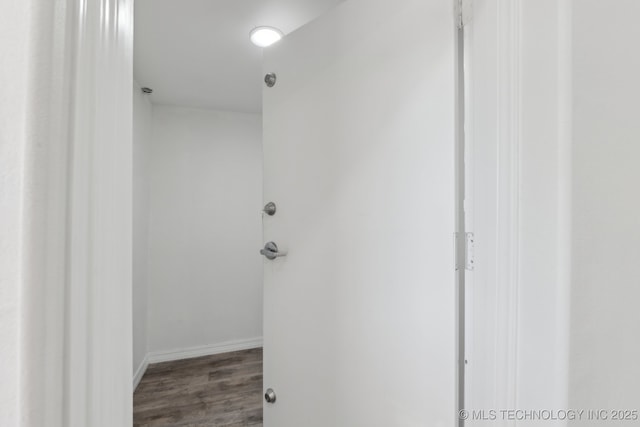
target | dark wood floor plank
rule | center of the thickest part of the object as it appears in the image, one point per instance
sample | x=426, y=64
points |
x=223, y=390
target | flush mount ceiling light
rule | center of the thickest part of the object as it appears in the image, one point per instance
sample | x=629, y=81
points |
x=265, y=36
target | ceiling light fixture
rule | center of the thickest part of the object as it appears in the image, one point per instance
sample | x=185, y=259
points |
x=265, y=36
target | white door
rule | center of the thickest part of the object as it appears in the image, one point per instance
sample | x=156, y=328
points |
x=359, y=131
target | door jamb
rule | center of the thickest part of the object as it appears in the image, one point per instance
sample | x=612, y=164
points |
x=74, y=237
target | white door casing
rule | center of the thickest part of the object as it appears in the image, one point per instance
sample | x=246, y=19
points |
x=518, y=131
x=359, y=137
x=69, y=202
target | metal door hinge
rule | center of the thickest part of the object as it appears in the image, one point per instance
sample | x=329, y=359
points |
x=270, y=79
x=469, y=251
x=270, y=396
x=270, y=209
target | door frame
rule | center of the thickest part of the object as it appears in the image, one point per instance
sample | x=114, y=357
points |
x=68, y=200
x=518, y=203
x=70, y=185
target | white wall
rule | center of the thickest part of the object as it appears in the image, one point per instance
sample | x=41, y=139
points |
x=142, y=115
x=605, y=320
x=204, y=269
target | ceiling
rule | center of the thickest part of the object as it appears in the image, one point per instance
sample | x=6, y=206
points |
x=197, y=53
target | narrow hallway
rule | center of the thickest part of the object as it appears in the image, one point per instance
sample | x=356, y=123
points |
x=223, y=390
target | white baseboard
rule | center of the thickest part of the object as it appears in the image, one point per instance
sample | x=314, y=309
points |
x=205, y=350
x=137, y=376
x=191, y=352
